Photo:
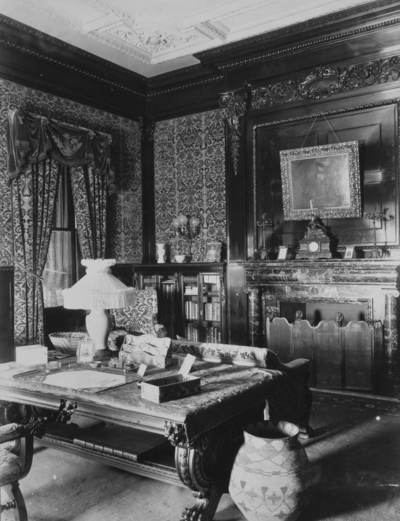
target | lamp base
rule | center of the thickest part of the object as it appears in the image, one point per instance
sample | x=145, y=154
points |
x=98, y=325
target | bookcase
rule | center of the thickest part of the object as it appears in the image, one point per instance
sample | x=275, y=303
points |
x=202, y=303
x=191, y=297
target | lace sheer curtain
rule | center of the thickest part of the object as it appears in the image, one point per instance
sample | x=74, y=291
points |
x=59, y=271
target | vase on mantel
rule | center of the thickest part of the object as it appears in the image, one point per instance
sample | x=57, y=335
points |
x=271, y=477
x=161, y=252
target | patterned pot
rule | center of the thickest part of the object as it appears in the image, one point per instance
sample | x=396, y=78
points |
x=271, y=477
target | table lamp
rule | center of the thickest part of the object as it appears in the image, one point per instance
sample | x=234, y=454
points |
x=98, y=291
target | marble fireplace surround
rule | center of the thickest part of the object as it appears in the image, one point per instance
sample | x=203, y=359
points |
x=372, y=283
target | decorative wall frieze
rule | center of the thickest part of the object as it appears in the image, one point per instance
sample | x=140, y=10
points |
x=323, y=82
x=233, y=106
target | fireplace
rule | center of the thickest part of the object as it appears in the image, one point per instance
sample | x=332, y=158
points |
x=360, y=289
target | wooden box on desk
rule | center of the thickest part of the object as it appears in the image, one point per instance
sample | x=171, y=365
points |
x=159, y=390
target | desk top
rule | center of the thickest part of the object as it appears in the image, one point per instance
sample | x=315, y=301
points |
x=226, y=391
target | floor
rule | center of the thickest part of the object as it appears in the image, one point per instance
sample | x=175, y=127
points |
x=354, y=455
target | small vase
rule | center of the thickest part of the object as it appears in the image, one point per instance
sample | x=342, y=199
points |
x=160, y=252
x=271, y=477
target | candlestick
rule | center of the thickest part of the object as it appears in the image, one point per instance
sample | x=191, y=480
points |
x=186, y=228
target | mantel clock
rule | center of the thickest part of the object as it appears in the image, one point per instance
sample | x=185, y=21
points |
x=316, y=242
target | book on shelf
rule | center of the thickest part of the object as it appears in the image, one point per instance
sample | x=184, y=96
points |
x=212, y=311
x=213, y=335
x=192, y=333
x=191, y=310
x=191, y=290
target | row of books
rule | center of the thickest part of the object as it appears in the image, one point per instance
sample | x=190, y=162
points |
x=212, y=311
x=191, y=310
x=213, y=335
x=192, y=333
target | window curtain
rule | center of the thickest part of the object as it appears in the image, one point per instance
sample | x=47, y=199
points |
x=37, y=148
x=90, y=201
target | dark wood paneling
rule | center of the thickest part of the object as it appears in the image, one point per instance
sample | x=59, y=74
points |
x=148, y=192
x=236, y=305
x=375, y=129
x=236, y=187
x=6, y=314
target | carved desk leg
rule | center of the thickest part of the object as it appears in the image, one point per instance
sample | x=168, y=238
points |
x=204, y=465
x=194, y=465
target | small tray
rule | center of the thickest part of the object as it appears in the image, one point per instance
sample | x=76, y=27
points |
x=161, y=390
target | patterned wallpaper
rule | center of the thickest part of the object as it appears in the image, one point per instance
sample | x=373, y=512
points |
x=125, y=206
x=190, y=176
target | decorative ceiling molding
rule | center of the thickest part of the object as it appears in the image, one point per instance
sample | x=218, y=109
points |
x=320, y=22
x=68, y=47
x=156, y=36
x=46, y=57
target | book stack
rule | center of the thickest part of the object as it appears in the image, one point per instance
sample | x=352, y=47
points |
x=191, y=290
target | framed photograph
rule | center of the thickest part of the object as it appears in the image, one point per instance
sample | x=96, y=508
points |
x=322, y=180
x=348, y=254
x=85, y=351
x=282, y=254
x=213, y=252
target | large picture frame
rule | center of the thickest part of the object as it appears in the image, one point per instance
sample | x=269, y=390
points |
x=322, y=180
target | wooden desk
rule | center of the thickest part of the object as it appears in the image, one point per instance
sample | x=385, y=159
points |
x=204, y=431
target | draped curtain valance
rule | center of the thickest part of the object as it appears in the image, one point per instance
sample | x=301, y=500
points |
x=39, y=149
x=32, y=138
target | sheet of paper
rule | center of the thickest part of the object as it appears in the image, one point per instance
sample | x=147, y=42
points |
x=187, y=365
x=142, y=369
x=84, y=379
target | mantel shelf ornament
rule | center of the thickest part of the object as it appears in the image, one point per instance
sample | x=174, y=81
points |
x=316, y=241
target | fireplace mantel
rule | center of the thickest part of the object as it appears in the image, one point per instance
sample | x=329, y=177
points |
x=383, y=273
x=372, y=283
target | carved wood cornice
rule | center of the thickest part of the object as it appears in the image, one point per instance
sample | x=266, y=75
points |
x=30, y=31
x=324, y=82
x=184, y=86
x=322, y=29
x=233, y=106
x=28, y=50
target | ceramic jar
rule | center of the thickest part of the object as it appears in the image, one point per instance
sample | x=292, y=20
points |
x=271, y=477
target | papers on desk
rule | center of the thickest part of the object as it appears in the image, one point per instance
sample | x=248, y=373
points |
x=84, y=380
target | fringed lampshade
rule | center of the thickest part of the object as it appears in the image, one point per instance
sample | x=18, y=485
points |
x=98, y=291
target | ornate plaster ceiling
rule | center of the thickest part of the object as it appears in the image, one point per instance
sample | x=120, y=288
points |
x=152, y=37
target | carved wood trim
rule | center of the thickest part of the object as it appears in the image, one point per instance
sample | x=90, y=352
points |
x=322, y=34
x=233, y=106
x=324, y=82
x=147, y=127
